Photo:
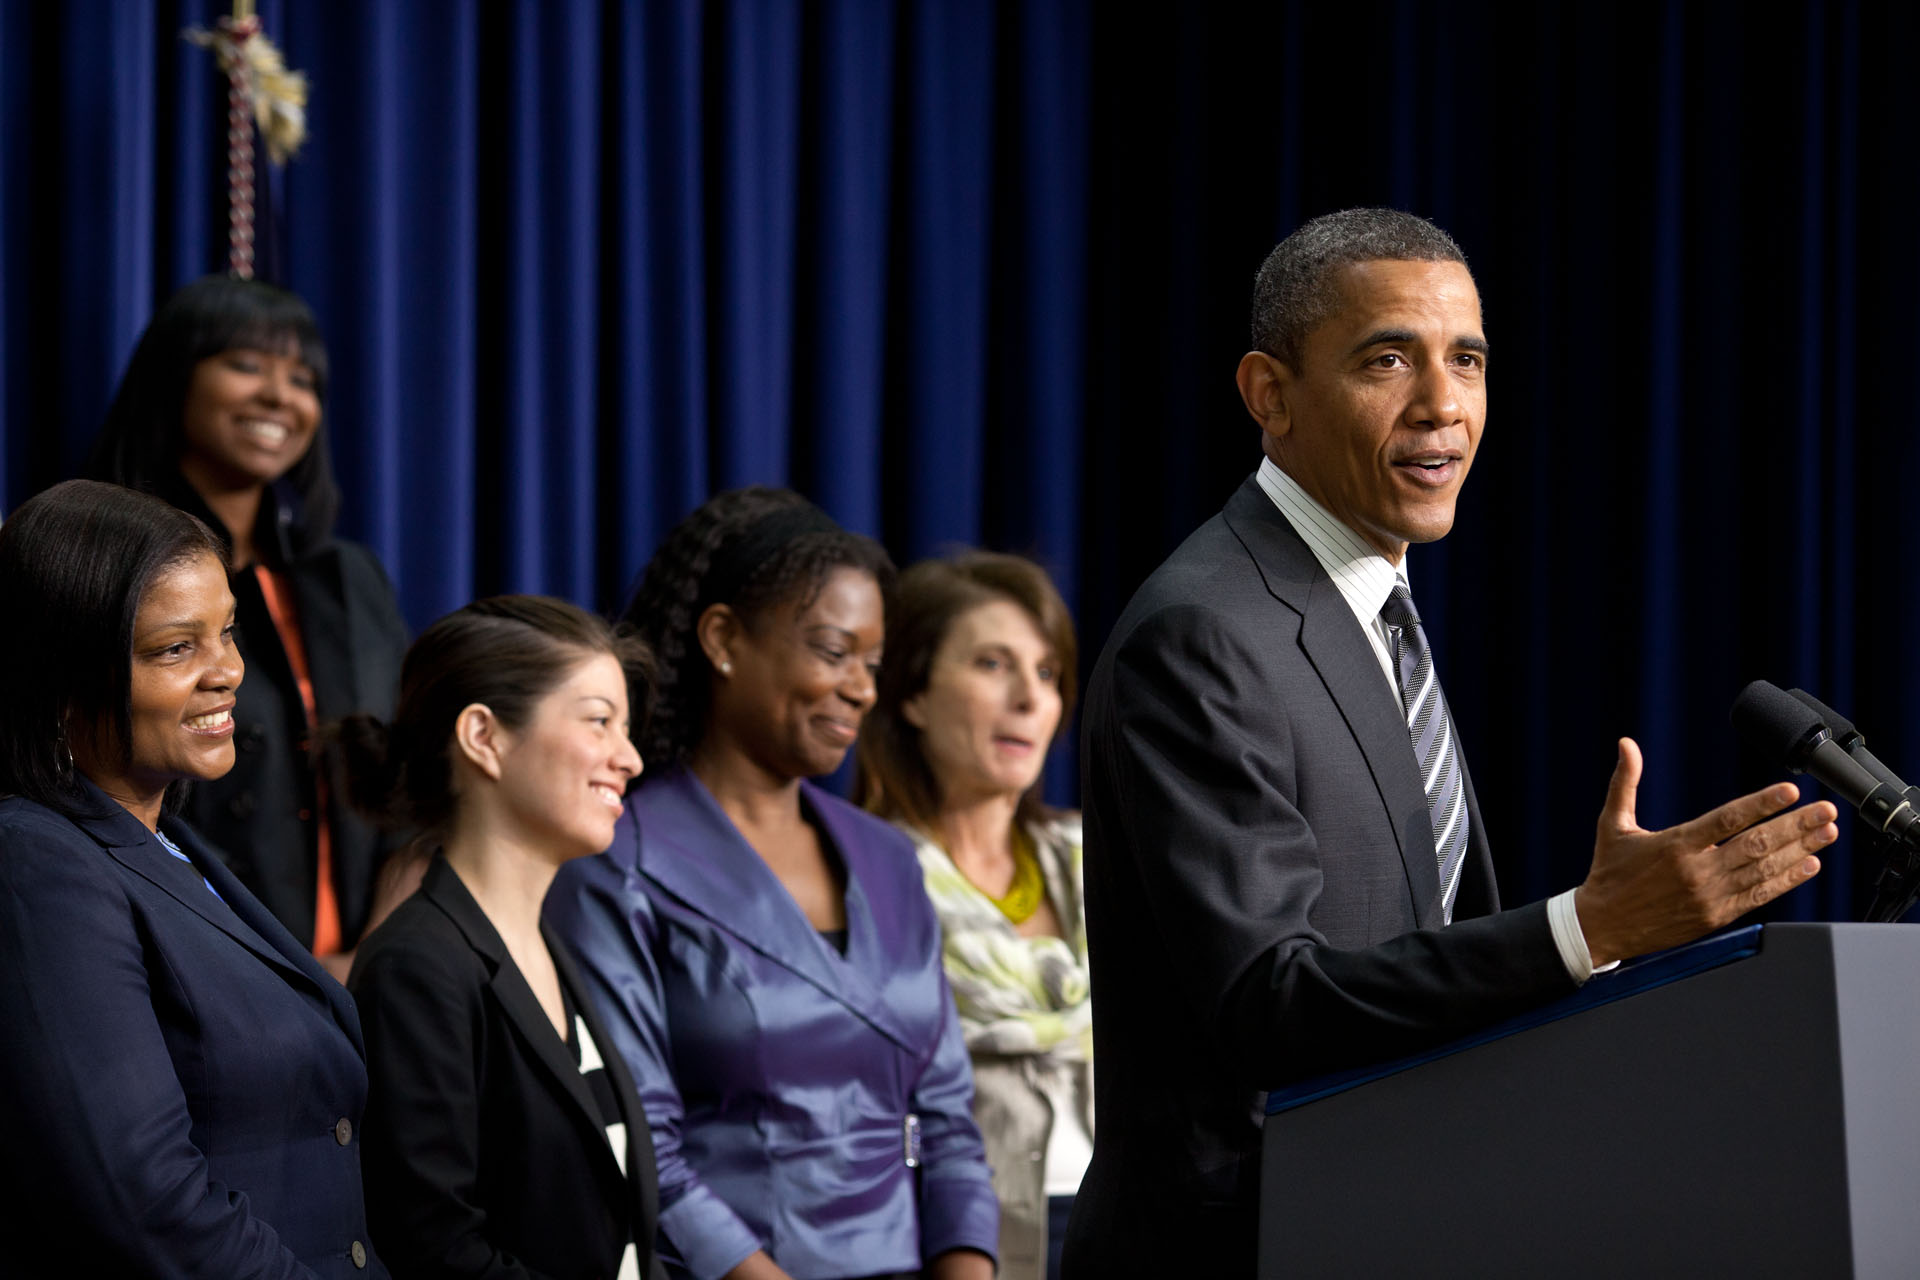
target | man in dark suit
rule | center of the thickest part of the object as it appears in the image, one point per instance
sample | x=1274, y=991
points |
x=1286, y=867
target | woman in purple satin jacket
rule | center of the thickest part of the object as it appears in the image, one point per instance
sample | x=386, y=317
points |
x=764, y=953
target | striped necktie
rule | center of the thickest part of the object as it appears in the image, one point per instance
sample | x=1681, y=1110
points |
x=1434, y=746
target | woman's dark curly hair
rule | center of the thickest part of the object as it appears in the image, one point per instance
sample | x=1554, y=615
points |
x=713, y=557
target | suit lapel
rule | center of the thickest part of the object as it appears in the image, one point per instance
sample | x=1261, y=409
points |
x=254, y=914
x=692, y=850
x=509, y=988
x=867, y=941
x=130, y=844
x=1331, y=639
x=641, y=1180
x=235, y=912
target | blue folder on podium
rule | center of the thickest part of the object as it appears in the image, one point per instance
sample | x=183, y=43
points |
x=1748, y=1105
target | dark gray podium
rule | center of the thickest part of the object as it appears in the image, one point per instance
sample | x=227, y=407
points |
x=1761, y=1118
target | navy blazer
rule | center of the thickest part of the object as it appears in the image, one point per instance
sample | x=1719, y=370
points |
x=778, y=1074
x=184, y=1082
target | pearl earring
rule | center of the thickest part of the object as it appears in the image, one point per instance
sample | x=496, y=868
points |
x=726, y=668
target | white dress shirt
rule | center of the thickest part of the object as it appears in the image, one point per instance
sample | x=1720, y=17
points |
x=1365, y=578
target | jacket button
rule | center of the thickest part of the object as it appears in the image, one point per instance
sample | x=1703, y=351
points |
x=359, y=1255
x=343, y=1131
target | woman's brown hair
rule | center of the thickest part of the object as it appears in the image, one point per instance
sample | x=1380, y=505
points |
x=894, y=779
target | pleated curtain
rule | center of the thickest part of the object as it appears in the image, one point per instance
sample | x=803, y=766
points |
x=977, y=273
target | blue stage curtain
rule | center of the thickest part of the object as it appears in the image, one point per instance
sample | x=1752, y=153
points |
x=978, y=272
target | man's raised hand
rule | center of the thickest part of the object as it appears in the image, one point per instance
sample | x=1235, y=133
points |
x=1648, y=890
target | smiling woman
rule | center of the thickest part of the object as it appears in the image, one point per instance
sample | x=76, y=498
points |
x=143, y=990
x=764, y=952
x=500, y=1136
x=220, y=413
x=180, y=700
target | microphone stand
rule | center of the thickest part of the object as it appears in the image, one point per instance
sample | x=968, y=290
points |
x=1898, y=884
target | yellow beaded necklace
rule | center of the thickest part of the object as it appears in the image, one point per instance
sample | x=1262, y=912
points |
x=1022, y=897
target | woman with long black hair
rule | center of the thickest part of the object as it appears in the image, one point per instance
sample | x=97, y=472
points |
x=220, y=413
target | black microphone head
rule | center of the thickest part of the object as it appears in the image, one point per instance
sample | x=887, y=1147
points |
x=1777, y=724
x=1842, y=728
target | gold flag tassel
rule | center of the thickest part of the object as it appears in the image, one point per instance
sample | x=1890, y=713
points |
x=260, y=91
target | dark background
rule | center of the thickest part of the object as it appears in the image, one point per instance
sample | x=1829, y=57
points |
x=977, y=272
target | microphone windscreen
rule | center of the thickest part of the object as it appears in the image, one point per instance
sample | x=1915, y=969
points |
x=1775, y=722
x=1841, y=727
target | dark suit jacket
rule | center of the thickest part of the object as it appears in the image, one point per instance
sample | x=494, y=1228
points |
x=183, y=1083
x=355, y=642
x=491, y=1157
x=1263, y=899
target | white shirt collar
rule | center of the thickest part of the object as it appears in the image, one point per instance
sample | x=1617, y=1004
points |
x=1361, y=574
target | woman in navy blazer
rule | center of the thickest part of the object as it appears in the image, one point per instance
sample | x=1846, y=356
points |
x=185, y=1083
x=765, y=954
x=505, y=1144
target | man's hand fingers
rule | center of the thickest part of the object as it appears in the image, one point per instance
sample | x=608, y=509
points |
x=1777, y=846
x=1719, y=825
x=1798, y=872
x=1623, y=790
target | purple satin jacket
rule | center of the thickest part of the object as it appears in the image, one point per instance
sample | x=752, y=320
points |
x=786, y=1085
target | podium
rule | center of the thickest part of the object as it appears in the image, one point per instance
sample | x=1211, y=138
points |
x=1755, y=1112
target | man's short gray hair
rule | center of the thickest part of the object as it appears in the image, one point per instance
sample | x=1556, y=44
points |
x=1296, y=290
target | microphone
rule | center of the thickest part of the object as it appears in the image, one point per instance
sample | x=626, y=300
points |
x=1790, y=731
x=1899, y=881
x=1853, y=742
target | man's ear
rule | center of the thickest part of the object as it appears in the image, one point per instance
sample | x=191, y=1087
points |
x=718, y=631
x=1264, y=381
x=480, y=737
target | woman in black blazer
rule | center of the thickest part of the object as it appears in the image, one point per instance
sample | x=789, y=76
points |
x=220, y=412
x=504, y=1137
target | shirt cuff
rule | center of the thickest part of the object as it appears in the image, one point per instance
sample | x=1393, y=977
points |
x=1571, y=941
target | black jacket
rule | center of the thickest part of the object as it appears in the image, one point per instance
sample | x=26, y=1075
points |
x=258, y=818
x=486, y=1154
